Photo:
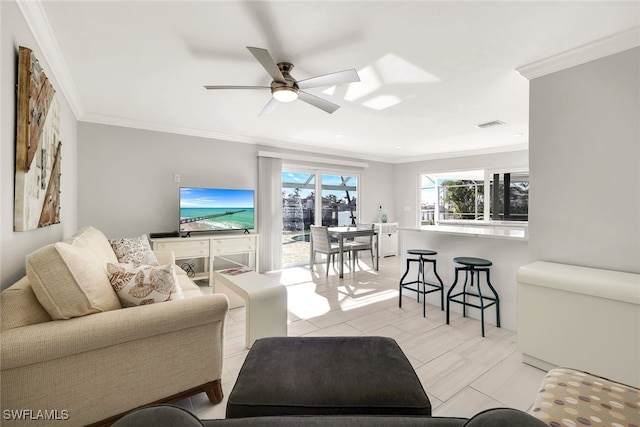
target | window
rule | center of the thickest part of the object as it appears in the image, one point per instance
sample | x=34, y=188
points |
x=462, y=199
x=298, y=195
x=335, y=194
x=339, y=200
x=514, y=189
x=464, y=196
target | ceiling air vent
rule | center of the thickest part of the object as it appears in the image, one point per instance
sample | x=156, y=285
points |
x=490, y=124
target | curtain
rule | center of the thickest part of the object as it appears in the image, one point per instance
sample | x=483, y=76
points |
x=270, y=213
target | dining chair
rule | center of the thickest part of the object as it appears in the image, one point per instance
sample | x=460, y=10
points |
x=321, y=242
x=362, y=243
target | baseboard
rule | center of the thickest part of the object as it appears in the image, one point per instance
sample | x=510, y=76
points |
x=538, y=363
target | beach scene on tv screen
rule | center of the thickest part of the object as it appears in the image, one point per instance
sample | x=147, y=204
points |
x=214, y=209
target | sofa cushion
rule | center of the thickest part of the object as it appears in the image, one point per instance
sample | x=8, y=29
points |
x=144, y=284
x=571, y=397
x=134, y=250
x=91, y=238
x=70, y=281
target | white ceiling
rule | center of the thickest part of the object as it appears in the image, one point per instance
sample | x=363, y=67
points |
x=446, y=66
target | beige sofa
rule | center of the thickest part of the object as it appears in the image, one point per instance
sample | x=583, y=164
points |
x=100, y=360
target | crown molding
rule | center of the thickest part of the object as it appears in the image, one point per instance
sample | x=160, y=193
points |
x=37, y=21
x=610, y=45
x=524, y=146
x=203, y=133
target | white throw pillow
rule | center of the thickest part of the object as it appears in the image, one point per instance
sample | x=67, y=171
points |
x=144, y=284
x=134, y=250
x=69, y=281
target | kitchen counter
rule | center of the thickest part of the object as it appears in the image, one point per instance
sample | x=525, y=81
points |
x=504, y=232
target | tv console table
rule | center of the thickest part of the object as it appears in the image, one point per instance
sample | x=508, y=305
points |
x=209, y=247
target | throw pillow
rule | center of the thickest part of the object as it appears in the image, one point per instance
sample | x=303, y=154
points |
x=94, y=240
x=144, y=284
x=134, y=250
x=70, y=281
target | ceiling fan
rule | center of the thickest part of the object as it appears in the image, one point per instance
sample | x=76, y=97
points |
x=285, y=88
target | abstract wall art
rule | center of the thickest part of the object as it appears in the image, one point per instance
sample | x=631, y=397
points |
x=38, y=147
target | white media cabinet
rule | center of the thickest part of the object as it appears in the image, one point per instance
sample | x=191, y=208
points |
x=209, y=247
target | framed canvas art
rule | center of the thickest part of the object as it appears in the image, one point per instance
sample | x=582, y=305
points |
x=38, y=147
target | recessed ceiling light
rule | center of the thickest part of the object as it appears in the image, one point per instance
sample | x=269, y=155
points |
x=398, y=147
x=517, y=135
x=338, y=135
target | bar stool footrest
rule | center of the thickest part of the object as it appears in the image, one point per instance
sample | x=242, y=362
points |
x=468, y=304
x=434, y=285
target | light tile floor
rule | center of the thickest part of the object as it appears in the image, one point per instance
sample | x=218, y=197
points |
x=462, y=372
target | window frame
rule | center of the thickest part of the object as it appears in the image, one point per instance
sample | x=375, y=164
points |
x=486, y=194
x=318, y=172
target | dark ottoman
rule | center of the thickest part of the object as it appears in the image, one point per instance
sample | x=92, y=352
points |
x=327, y=376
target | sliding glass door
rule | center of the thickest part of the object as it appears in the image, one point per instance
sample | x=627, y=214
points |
x=313, y=197
x=298, y=214
x=339, y=200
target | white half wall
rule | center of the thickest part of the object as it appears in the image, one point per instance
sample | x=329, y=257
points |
x=507, y=256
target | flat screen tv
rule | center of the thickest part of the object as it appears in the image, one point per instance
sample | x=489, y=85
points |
x=216, y=209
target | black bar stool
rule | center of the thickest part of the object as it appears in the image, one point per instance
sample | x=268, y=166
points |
x=436, y=287
x=473, y=266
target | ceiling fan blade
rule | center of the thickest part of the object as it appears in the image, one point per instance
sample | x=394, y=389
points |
x=268, y=109
x=237, y=87
x=320, y=103
x=264, y=58
x=346, y=76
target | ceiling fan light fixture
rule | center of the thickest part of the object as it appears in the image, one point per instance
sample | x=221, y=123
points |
x=284, y=93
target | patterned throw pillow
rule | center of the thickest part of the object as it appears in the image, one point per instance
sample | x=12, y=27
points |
x=144, y=284
x=134, y=250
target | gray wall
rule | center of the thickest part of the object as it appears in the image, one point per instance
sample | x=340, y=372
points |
x=127, y=187
x=584, y=164
x=14, y=32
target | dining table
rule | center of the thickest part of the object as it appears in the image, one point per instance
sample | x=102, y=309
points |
x=342, y=233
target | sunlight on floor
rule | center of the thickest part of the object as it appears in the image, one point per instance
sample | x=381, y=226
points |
x=308, y=293
x=347, y=302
